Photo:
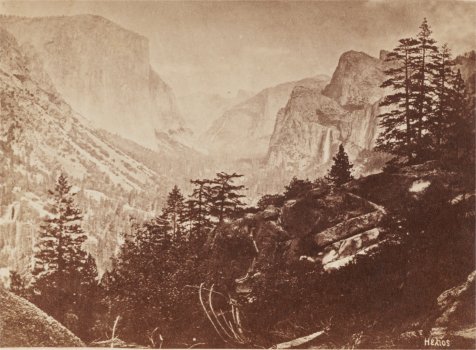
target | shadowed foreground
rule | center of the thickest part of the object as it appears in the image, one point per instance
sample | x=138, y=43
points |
x=23, y=324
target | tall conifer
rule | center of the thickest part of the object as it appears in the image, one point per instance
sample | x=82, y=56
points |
x=340, y=172
x=225, y=199
x=397, y=136
x=442, y=80
x=62, y=271
x=424, y=90
x=174, y=212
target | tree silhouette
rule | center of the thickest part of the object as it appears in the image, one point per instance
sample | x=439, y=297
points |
x=340, y=172
x=458, y=141
x=424, y=90
x=62, y=270
x=198, y=207
x=174, y=212
x=397, y=135
x=442, y=78
x=225, y=199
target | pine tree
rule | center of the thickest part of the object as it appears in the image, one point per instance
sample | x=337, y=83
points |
x=458, y=140
x=198, y=208
x=442, y=79
x=60, y=261
x=397, y=136
x=424, y=91
x=141, y=288
x=225, y=199
x=88, y=297
x=174, y=212
x=340, y=172
x=409, y=123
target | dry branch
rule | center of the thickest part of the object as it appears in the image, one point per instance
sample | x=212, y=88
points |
x=229, y=330
x=298, y=341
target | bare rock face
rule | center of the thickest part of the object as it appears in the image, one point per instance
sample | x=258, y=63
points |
x=342, y=252
x=453, y=303
x=315, y=122
x=244, y=130
x=356, y=80
x=466, y=63
x=23, y=325
x=102, y=71
x=348, y=228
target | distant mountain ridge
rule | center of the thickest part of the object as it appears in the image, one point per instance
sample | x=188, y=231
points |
x=200, y=110
x=244, y=130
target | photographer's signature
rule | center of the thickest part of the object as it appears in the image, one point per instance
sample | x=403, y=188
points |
x=437, y=342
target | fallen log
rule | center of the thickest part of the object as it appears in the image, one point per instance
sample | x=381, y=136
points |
x=298, y=341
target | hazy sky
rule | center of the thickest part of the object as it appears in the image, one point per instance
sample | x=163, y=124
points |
x=225, y=46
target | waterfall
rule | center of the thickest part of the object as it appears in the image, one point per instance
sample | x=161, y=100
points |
x=327, y=146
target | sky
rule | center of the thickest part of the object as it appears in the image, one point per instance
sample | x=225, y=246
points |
x=223, y=46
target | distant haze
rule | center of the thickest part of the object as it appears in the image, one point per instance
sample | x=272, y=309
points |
x=221, y=47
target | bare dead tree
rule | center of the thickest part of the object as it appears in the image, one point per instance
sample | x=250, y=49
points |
x=228, y=328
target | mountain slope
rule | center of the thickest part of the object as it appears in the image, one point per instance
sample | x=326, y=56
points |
x=244, y=130
x=103, y=71
x=41, y=136
x=22, y=325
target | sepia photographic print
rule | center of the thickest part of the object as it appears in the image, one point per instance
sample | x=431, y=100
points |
x=237, y=174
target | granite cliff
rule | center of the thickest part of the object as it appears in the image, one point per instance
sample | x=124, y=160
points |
x=244, y=130
x=316, y=120
x=103, y=71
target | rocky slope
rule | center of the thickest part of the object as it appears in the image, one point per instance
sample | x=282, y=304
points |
x=244, y=130
x=23, y=325
x=316, y=121
x=103, y=71
x=40, y=136
x=327, y=244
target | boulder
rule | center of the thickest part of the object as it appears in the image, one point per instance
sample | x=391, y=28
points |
x=22, y=324
x=317, y=211
x=349, y=247
x=348, y=228
x=452, y=302
x=271, y=213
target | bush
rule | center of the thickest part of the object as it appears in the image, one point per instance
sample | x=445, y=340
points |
x=297, y=187
x=276, y=200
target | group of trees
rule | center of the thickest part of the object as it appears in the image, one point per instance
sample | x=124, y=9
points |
x=427, y=113
x=211, y=202
x=151, y=283
x=64, y=277
x=145, y=286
